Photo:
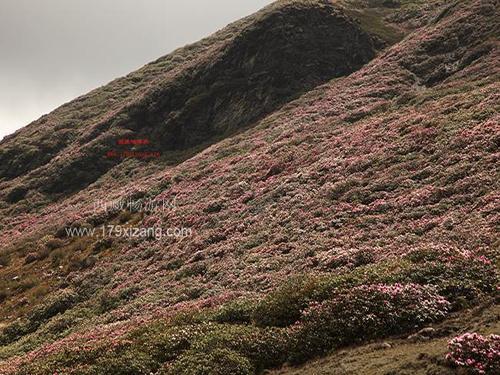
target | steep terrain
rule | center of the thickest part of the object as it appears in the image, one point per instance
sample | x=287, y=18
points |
x=353, y=143
x=188, y=99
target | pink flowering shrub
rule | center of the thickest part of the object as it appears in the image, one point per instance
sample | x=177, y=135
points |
x=478, y=353
x=459, y=275
x=362, y=313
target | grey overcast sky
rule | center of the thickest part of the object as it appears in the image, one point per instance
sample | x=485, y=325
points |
x=52, y=51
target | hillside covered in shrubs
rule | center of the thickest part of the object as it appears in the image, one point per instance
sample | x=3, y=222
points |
x=327, y=173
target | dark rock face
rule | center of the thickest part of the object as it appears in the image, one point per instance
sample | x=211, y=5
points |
x=452, y=48
x=274, y=61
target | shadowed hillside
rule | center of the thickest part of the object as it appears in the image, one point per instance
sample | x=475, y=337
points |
x=227, y=83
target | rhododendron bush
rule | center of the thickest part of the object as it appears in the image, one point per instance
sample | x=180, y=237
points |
x=458, y=275
x=478, y=353
x=365, y=312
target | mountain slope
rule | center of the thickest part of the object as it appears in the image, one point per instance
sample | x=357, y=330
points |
x=400, y=156
x=227, y=82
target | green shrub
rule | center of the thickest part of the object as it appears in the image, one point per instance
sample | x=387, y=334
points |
x=216, y=362
x=352, y=259
x=338, y=189
x=101, y=245
x=121, y=359
x=108, y=301
x=13, y=331
x=165, y=342
x=3, y=295
x=125, y=361
x=56, y=304
x=192, y=317
x=57, y=257
x=458, y=276
x=124, y=217
x=54, y=243
x=282, y=307
x=191, y=270
x=265, y=348
x=4, y=259
x=25, y=284
x=16, y=194
x=237, y=311
x=68, y=320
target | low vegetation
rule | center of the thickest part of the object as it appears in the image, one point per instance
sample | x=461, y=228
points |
x=475, y=352
x=325, y=312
